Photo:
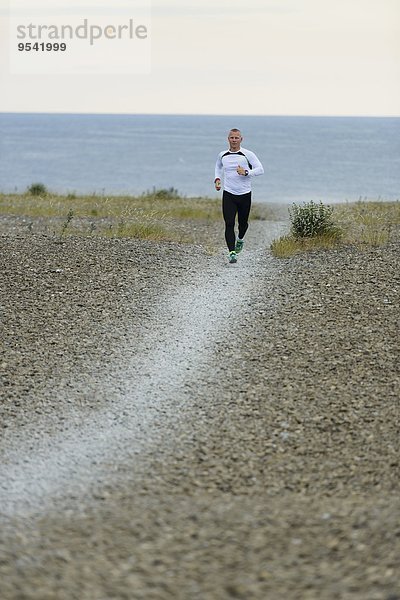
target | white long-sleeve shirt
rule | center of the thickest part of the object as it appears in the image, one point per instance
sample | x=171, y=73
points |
x=226, y=166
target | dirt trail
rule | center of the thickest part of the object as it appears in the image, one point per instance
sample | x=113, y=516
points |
x=176, y=349
x=238, y=440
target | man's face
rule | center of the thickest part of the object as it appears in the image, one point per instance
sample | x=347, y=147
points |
x=234, y=139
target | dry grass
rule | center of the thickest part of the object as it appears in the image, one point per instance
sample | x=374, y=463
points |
x=161, y=215
x=361, y=224
x=371, y=223
x=108, y=206
x=287, y=246
x=149, y=205
x=145, y=217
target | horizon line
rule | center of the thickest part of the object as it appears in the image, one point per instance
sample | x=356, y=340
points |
x=233, y=115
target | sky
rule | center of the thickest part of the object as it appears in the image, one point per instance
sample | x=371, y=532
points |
x=266, y=57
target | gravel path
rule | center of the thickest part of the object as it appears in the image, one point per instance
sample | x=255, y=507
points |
x=177, y=427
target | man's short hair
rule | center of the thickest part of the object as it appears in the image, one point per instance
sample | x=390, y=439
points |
x=235, y=130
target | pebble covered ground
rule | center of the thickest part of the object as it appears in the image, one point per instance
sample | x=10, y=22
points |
x=249, y=420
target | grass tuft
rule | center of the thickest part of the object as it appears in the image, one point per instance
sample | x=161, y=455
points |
x=288, y=245
x=142, y=230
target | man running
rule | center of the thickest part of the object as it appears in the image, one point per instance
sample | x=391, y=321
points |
x=238, y=166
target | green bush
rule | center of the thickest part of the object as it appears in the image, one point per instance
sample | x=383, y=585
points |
x=163, y=193
x=311, y=220
x=37, y=189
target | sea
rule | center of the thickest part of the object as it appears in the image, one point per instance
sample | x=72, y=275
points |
x=328, y=159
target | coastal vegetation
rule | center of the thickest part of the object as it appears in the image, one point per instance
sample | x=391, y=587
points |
x=318, y=226
x=164, y=214
x=37, y=189
x=158, y=214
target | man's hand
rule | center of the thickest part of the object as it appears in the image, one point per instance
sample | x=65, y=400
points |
x=217, y=184
x=240, y=170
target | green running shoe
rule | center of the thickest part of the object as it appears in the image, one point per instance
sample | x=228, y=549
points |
x=232, y=257
x=239, y=246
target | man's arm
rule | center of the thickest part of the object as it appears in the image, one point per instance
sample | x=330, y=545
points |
x=257, y=169
x=219, y=168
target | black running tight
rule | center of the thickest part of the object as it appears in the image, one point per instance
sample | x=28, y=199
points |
x=232, y=204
